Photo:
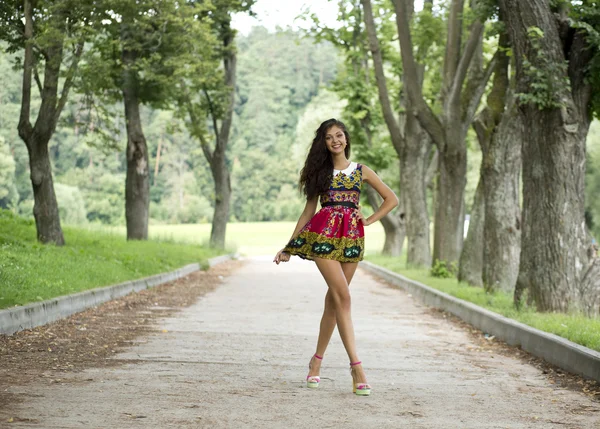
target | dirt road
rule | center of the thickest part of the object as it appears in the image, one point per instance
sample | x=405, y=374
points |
x=238, y=357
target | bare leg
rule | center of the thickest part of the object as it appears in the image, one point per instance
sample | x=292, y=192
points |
x=328, y=321
x=338, y=287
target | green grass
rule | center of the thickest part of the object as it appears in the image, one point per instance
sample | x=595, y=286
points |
x=31, y=272
x=574, y=327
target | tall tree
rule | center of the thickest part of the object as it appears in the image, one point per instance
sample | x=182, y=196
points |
x=209, y=105
x=52, y=34
x=140, y=46
x=412, y=145
x=448, y=130
x=557, y=52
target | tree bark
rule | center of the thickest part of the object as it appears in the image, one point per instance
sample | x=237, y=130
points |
x=413, y=174
x=471, y=257
x=393, y=226
x=45, y=207
x=553, y=255
x=137, y=182
x=502, y=230
x=222, y=198
x=449, y=220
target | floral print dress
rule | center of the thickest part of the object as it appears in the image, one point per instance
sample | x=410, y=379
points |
x=335, y=231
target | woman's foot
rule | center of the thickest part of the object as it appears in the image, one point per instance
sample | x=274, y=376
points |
x=359, y=379
x=314, y=370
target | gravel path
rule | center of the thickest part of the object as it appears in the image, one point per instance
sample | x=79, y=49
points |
x=238, y=358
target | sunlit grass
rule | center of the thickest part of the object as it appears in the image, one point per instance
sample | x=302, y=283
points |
x=574, y=327
x=31, y=272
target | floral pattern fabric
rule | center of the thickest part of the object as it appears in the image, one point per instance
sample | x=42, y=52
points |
x=334, y=232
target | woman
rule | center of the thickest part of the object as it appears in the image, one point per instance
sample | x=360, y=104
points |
x=334, y=237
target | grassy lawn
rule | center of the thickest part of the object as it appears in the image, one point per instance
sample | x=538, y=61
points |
x=32, y=272
x=574, y=327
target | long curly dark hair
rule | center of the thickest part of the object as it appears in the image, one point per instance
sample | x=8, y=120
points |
x=316, y=175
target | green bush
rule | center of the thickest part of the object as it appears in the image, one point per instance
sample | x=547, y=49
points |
x=443, y=269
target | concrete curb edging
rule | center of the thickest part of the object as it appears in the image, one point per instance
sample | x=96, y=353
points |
x=552, y=348
x=40, y=313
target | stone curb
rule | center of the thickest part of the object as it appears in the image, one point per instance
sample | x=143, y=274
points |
x=40, y=313
x=554, y=349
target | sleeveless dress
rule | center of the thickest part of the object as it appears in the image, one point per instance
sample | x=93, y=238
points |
x=335, y=231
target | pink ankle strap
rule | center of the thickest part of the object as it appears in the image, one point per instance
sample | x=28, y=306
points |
x=355, y=363
x=318, y=357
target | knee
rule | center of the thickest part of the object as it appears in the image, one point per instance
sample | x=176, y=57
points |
x=330, y=304
x=341, y=299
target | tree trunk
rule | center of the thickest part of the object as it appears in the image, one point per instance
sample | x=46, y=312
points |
x=137, y=182
x=499, y=132
x=553, y=209
x=502, y=230
x=553, y=255
x=413, y=172
x=45, y=208
x=449, y=219
x=394, y=227
x=471, y=257
x=222, y=199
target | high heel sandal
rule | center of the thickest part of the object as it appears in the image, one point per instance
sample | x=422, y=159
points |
x=313, y=381
x=361, y=389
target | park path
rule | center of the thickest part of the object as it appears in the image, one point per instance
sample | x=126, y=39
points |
x=238, y=357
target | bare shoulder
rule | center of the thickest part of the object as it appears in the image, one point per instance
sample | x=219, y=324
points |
x=367, y=173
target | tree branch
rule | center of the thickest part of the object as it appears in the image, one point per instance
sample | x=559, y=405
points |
x=463, y=66
x=78, y=51
x=205, y=148
x=213, y=116
x=388, y=114
x=453, y=45
x=473, y=103
x=196, y=130
x=480, y=127
x=230, y=65
x=423, y=112
x=25, y=129
x=36, y=76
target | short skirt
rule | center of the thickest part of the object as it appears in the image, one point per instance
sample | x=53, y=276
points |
x=334, y=232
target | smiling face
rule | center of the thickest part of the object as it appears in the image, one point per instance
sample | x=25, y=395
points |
x=335, y=139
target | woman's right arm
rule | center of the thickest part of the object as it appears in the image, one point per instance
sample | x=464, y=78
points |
x=309, y=211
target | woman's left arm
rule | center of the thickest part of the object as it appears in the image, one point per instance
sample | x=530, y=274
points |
x=390, y=200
